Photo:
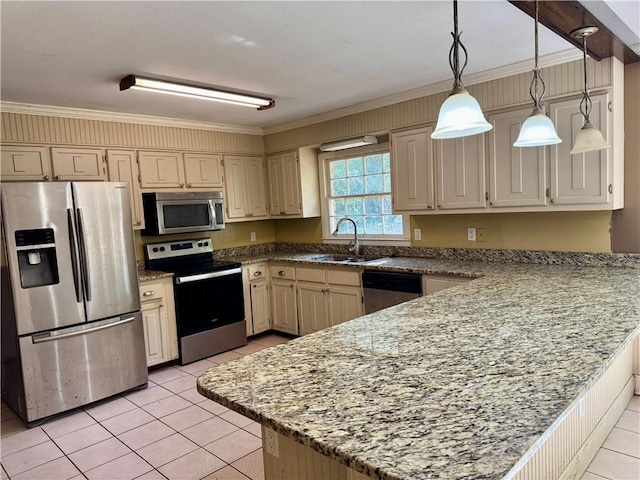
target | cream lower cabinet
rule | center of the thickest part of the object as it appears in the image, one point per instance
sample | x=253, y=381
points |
x=283, y=298
x=327, y=297
x=124, y=168
x=25, y=164
x=159, y=320
x=256, y=298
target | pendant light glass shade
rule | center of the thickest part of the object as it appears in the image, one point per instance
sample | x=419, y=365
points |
x=589, y=138
x=536, y=131
x=460, y=114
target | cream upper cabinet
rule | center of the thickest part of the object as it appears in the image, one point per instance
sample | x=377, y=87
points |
x=123, y=168
x=517, y=176
x=78, y=164
x=26, y=164
x=293, y=184
x=203, y=170
x=412, y=170
x=159, y=321
x=245, y=188
x=160, y=170
x=461, y=173
x=583, y=178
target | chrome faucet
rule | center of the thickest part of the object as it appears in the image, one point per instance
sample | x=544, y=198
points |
x=354, y=246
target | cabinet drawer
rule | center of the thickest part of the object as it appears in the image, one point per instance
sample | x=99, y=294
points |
x=151, y=291
x=343, y=277
x=281, y=271
x=257, y=272
x=310, y=274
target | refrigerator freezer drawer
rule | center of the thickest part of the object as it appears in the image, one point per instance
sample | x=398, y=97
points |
x=80, y=365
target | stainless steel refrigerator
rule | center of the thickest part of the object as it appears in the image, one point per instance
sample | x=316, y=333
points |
x=72, y=330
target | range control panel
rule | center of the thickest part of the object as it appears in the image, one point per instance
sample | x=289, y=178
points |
x=181, y=248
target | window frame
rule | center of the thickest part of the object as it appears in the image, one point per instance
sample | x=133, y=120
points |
x=323, y=161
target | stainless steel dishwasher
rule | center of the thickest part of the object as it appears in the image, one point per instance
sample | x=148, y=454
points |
x=385, y=289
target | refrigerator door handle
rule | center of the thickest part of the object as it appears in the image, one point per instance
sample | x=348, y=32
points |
x=83, y=254
x=51, y=337
x=74, y=255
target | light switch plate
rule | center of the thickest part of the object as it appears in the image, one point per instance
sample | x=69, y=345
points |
x=471, y=234
x=253, y=236
x=417, y=234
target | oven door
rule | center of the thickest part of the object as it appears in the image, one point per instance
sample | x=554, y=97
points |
x=209, y=300
x=183, y=216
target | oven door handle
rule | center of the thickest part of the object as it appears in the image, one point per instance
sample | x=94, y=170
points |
x=206, y=276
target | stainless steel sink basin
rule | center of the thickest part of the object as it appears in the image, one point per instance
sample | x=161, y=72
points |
x=342, y=258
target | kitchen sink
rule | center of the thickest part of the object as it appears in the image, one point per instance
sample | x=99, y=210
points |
x=342, y=258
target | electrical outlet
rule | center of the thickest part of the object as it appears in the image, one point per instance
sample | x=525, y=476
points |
x=471, y=234
x=271, y=442
x=417, y=234
x=253, y=236
x=481, y=234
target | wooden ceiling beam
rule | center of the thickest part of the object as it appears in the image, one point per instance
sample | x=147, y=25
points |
x=563, y=17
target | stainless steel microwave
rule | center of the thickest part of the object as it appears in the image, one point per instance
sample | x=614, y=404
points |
x=167, y=213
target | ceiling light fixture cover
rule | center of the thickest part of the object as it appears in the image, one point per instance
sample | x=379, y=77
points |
x=537, y=130
x=200, y=93
x=589, y=138
x=460, y=114
x=348, y=143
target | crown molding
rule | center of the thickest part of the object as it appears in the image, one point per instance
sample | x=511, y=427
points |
x=424, y=91
x=85, y=114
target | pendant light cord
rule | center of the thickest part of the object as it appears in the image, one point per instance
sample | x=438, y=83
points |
x=586, y=103
x=454, y=54
x=533, y=88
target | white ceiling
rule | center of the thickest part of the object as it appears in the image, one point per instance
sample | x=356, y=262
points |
x=311, y=57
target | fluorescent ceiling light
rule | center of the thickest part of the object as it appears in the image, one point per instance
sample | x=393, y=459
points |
x=210, y=94
x=348, y=143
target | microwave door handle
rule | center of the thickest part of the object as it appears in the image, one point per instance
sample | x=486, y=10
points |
x=74, y=254
x=83, y=256
x=212, y=210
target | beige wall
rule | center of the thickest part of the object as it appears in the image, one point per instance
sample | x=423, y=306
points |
x=625, y=235
x=304, y=230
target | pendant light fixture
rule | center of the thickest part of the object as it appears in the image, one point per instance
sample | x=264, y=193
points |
x=537, y=130
x=460, y=114
x=589, y=138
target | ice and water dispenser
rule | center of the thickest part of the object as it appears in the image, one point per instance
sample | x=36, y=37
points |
x=37, y=257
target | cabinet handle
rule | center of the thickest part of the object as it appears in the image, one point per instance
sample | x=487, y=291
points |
x=439, y=206
x=254, y=286
x=283, y=213
x=138, y=222
x=281, y=273
x=486, y=195
x=553, y=201
x=610, y=188
x=46, y=177
x=430, y=207
x=148, y=293
x=57, y=177
x=292, y=285
x=161, y=305
x=181, y=185
x=257, y=274
x=189, y=185
x=490, y=203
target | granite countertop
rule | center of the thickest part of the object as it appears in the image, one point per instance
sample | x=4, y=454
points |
x=458, y=384
x=146, y=275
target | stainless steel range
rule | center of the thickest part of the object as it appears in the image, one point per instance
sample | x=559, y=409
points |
x=208, y=297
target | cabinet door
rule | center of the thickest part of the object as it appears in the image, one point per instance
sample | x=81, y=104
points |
x=123, y=168
x=344, y=304
x=260, y=306
x=234, y=174
x=412, y=170
x=153, y=321
x=283, y=306
x=517, y=176
x=313, y=314
x=256, y=188
x=203, y=170
x=274, y=170
x=26, y=164
x=583, y=178
x=78, y=164
x=291, y=199
x=461, y=172
x=161, y=170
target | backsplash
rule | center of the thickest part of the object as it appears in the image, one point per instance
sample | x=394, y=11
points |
x=585, y=259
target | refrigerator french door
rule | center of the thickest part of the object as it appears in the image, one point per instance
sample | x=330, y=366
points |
x=71, y=325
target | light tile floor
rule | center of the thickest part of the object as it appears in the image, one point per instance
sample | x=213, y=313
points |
x=170, y=431
x=167, y=431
